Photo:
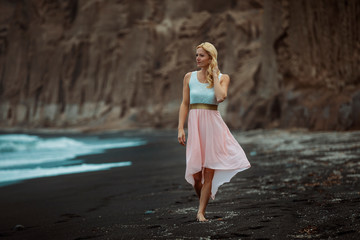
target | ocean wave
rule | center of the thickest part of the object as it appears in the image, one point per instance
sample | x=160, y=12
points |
x=21, y=150
x=23, y=174
x=22, y=142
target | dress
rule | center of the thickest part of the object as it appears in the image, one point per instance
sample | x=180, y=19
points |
x=210, y=143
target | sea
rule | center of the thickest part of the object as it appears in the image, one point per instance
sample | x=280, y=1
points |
x=28, y=156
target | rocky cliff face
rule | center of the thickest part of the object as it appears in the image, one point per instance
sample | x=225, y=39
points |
x=120, y=64
x=310, y=75
x=112, y=64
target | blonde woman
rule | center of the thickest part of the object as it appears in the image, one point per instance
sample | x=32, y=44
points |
x=213, y=156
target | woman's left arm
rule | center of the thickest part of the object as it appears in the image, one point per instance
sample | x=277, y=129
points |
x=221, y=87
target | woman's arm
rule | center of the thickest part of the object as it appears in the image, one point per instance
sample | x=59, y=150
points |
x=221, y=87
x=184, y=109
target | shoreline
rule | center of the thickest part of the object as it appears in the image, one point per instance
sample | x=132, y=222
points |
x=147, y=130
x=301, y=185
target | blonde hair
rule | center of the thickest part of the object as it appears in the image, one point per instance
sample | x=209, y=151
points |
x=211, y=50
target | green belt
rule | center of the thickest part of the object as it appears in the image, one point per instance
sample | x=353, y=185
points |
x=203, y=106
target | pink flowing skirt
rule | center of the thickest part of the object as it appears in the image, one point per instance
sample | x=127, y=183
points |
x=210, y=144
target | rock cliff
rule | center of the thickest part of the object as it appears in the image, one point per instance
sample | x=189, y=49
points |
x=101, y=64
x=309, y=75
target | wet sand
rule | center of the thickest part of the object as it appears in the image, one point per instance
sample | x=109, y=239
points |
x=301, y=186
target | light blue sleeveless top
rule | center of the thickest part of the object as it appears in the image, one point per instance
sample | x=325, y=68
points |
x=199, y=93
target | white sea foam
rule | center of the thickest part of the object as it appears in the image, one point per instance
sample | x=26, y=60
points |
x=22, y=174
x=22, y=150
x=18, y=137
x=25, y=156
x=22, y=142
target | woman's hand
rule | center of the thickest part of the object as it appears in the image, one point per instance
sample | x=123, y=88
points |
x=181, y=137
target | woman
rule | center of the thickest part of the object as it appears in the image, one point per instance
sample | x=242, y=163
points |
x=213, y=156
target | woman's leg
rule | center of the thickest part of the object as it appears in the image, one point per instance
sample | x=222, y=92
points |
x=198, y=184
x=205, y=193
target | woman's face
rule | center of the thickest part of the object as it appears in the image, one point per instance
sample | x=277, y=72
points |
x=202, y=58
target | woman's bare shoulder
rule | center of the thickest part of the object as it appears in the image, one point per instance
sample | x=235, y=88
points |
x=187, y=77
x=224, y=76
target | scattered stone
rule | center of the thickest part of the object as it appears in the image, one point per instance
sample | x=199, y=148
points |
x=19, y=227
x=149, y=212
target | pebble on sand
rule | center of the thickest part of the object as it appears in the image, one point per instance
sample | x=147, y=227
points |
x=19, y=227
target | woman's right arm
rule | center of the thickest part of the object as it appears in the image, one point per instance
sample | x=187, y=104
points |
x=184, y=109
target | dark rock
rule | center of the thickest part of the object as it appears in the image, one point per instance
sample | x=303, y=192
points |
x=120, y=64
x=19, y=227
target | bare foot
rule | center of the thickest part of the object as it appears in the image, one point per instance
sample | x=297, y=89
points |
x=201, y=218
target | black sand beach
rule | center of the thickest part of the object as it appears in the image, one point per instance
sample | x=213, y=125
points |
x=301, y=186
